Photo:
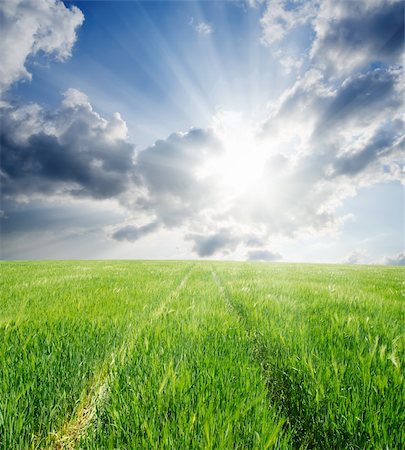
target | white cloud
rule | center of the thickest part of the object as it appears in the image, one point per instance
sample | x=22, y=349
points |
x=203, y=28
x=255, y=3
x=282, y=16
x=289, y=63
x=29, y=27
x=73, y=97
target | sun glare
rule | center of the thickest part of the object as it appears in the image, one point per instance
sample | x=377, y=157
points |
x=239, y=168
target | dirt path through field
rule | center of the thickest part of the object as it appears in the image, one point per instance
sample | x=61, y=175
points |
x=70, y=433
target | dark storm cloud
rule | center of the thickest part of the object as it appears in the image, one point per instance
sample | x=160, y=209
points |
x=207, y=245
x=358, y=33
x=255, y=241
x=263, y=255
x=42, y=216
x=132, y=233
x=73, y=151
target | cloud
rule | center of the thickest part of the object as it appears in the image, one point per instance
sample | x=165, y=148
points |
x=30, y=27
x=346, y=36
x=352, y=34
x=71, y=150
x=318, y=108
x=336, y=129
x=254, y=241
x=179, y=189
x=207, y=245
x=356, y=257
x=169, y=172
x=388, y=139
x=263, y=255
x=290, y=63
x=282, y=16
x=132, y=233
x=331, y=139
x=361, y=113
x=204, y=28
x=52, y=216
x=74, y=151
x=396, y=260
x=360, y=97
x=73, y=98
x=254, y=3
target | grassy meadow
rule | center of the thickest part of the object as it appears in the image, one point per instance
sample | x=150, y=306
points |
x=201, y=355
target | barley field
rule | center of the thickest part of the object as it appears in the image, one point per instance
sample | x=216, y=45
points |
x=201, y=355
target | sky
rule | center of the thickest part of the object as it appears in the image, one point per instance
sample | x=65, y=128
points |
x=266, y=130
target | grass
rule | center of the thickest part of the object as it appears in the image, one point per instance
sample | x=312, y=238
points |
x=204, y=355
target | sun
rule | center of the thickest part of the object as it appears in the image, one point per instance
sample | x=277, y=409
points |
x=240, y=166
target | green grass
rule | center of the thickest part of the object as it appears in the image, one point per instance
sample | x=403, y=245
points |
x=204, y=355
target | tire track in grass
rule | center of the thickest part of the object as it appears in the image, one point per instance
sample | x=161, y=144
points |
x=238, y=309
x=72, y=431
x=258, y=346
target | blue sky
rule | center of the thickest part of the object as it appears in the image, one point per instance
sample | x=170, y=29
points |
x=146, y=60
x=266, y=130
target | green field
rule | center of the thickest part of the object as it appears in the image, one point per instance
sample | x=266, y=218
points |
x=201, y=355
